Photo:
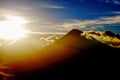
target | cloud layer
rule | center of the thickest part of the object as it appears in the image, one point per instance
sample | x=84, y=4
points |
x=53, y=6
x=58, y=17
x=92, y=24
x=107, y=37
x=116, y=2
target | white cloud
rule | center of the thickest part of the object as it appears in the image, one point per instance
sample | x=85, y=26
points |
x=92, y=24
x=78, y=24
x=53, y=6
x=49, y=39
x=110, y=20
x=116, y=12
x=116, y=2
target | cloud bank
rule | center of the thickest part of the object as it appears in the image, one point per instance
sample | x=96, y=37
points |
x=53, y=6
x=107, y=37
x=92, y=24
x=50, y=39
x=116, y=2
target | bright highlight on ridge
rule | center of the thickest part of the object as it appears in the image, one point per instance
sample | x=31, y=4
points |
x=12, y=28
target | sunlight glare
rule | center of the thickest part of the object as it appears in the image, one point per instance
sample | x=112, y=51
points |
x=12, y=28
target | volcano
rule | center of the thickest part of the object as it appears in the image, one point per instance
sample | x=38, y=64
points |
x=72, y=56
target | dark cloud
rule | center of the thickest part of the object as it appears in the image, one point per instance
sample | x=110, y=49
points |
x=111, y=34
x=95, y=33
x=107, y=37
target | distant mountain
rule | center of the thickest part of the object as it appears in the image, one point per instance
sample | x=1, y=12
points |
x=72, y=56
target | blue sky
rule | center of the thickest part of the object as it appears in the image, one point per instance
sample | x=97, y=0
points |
x=59, y=16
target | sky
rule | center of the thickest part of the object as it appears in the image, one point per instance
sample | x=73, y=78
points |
x=60, y=16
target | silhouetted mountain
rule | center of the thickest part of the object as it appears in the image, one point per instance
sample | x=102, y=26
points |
x=74, y=32
x=72, y=56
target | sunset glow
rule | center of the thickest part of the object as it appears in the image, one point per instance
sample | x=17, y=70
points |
x=12, y=28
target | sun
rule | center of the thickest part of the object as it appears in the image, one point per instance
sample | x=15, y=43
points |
x=12, y=27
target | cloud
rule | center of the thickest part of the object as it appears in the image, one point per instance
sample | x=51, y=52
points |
x=107, y=37
x=53, y=6
x=49, y=39
x=65, y=25
x=92, y=24
x=110, y=20
x=42, y=21
x=111, y=34
x=115, y=12
x=116, y=2
x=111, y=1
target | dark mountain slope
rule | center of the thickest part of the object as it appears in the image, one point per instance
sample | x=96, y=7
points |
x=72, y=56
